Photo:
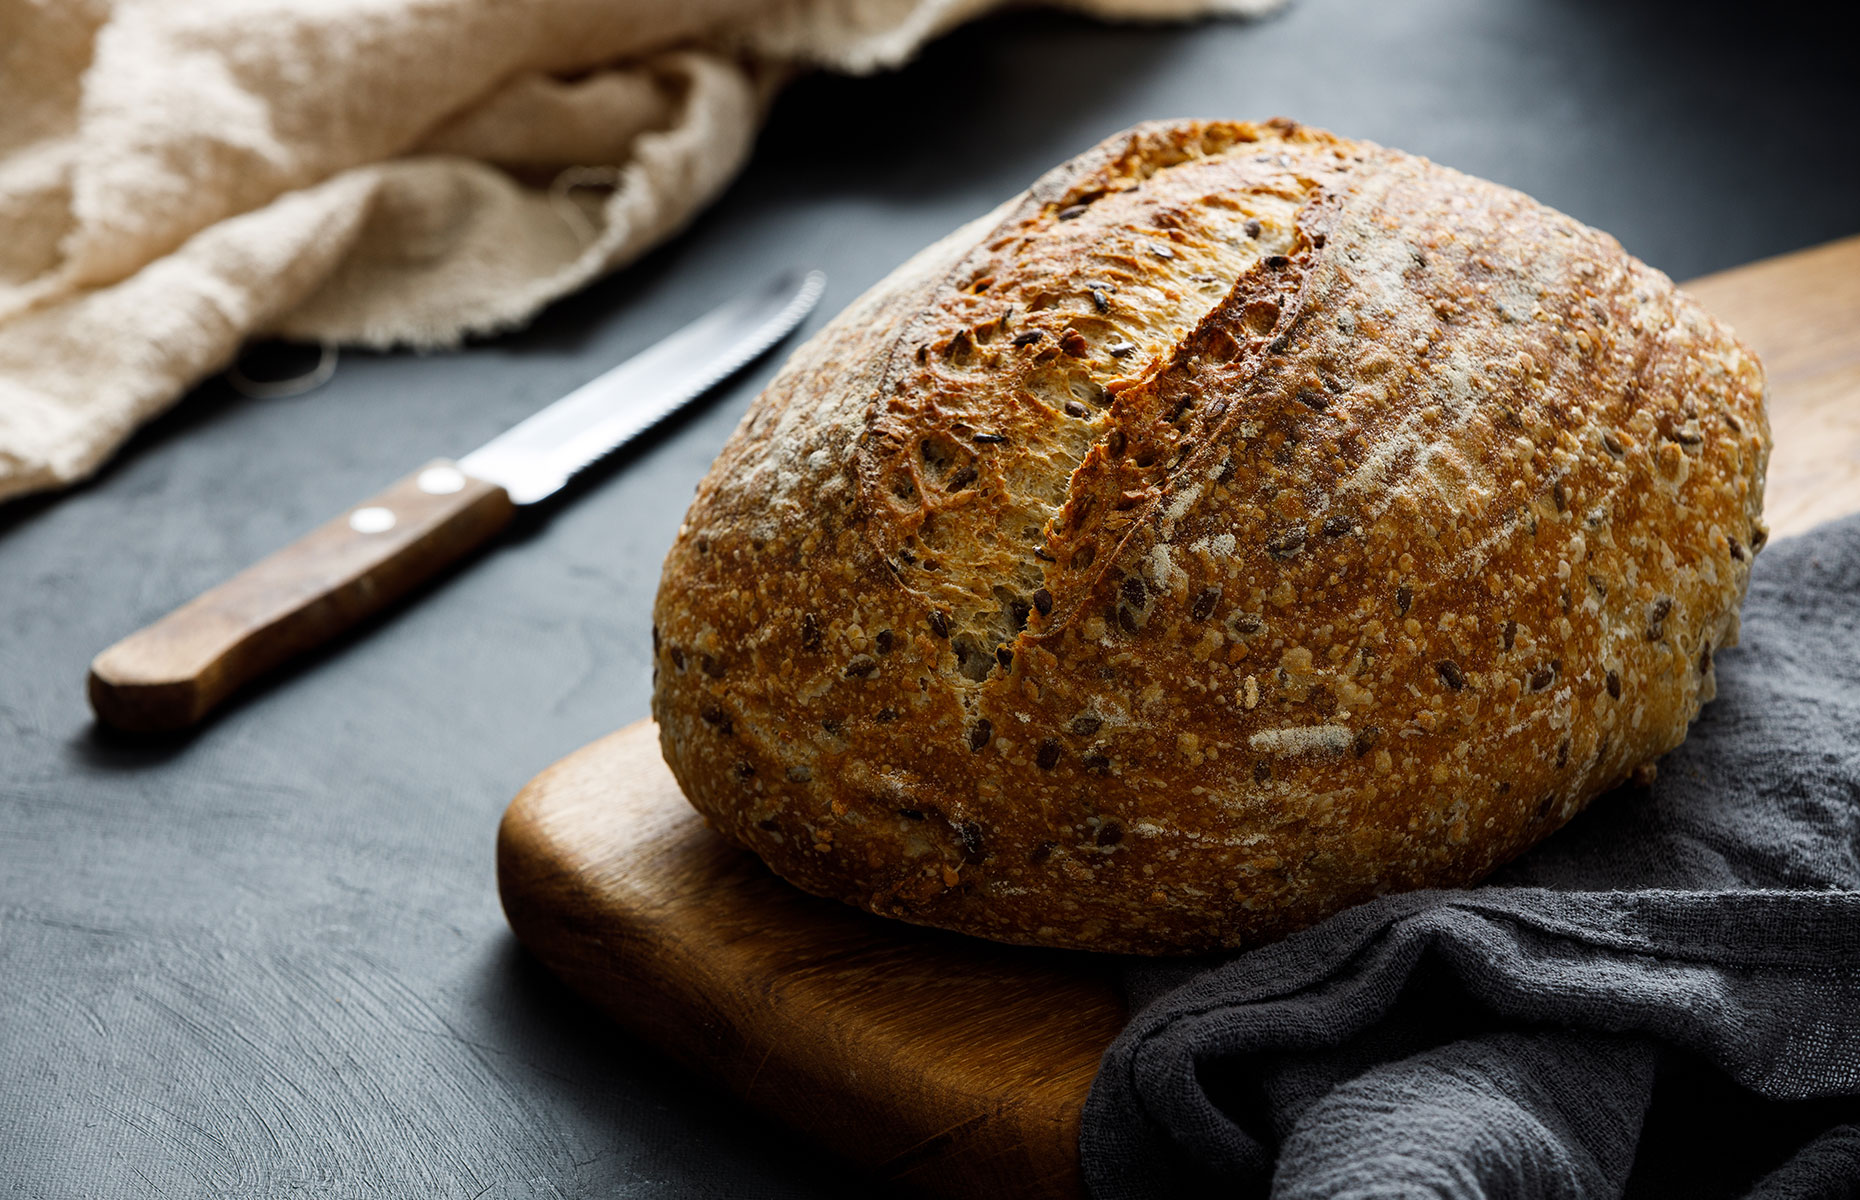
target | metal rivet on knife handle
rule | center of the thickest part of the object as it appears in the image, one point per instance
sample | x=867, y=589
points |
x=171, y=674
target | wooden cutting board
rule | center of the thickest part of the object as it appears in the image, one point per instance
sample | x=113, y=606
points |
x=946, y=1065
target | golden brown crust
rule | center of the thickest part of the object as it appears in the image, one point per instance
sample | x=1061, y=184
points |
x=1240, y=524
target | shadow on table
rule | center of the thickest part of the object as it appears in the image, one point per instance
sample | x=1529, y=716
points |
x=199, y=407
x=935, y=126
x=659, y=1118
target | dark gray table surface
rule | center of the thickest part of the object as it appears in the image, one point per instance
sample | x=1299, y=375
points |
x=269, y=959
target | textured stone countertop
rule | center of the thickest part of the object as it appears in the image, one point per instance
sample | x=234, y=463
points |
x=269, y=959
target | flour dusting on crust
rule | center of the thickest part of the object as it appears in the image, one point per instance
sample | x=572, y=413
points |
x=1241, y=523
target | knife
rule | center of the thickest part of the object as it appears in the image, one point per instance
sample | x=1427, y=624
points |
x=171, y=674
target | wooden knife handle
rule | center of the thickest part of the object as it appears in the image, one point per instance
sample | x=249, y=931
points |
x=171, y=674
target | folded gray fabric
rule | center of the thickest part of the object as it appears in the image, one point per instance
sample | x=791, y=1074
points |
x=1662, y=999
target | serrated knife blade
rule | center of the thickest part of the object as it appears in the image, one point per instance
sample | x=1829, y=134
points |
x=533, y=459
x=170, y=674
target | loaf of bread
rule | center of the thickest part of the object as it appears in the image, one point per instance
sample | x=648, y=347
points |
x=1241, y=523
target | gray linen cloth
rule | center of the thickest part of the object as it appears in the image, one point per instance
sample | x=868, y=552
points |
x=1662, y=999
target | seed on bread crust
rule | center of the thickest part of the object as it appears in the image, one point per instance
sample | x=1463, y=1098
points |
x=1351, y=543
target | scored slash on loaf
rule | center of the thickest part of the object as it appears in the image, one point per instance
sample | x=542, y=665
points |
x=1239, y=524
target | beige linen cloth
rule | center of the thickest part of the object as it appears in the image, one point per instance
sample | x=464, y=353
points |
x=179, y=175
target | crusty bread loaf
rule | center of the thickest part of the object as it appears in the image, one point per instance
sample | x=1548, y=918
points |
x=1241, y=523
